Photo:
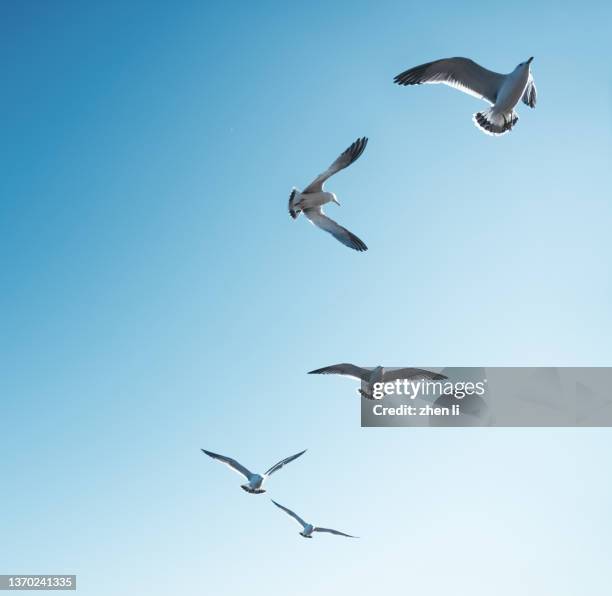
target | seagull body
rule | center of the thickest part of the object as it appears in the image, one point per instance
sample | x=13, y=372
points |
x=254, y=481
x=309, y=529
x=502, y=91
x=379, y=374
x=311, y=200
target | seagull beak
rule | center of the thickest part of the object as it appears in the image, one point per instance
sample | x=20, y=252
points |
x=530, y=60
x=337, y=202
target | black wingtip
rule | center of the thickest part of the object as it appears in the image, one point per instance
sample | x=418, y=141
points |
x=359, y=245
x=292, y=211
x=357, y=148
x=412, y=76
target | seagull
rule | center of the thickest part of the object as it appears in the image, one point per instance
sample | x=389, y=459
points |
x=313, y=197
x=255, y=481
x=379, y=374
x=308, y=529
x=502, y=91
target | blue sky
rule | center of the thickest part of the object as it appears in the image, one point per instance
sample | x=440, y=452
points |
x=157, y=298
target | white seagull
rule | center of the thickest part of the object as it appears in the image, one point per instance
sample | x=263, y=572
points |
x=255, y=481
x=308, y=529
x=379, y=374
x=313, y=197
x=502, y=91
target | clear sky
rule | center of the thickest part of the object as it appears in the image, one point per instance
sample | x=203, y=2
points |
x=156, y=297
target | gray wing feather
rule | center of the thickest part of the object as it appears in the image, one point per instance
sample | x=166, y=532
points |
x=412, y=373
x=230, y=463
x=345, y=159
x=319, y=219
x=337, y=532
x=462, y=73
x=290, y=513
x=530, y=97
x=282, y=462
x=348, y=370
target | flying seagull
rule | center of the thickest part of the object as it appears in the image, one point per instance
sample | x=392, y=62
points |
x=313, y=197
x=379, y=374
x=308, y=529
x=502, y=91
x=255, y=481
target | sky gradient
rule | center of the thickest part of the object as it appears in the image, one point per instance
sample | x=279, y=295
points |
x=157, y=298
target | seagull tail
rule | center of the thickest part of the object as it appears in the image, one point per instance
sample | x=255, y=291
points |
x=294, y=199
x=495, y=124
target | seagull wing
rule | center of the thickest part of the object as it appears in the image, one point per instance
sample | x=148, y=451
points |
x=337, y=532
x=282, y=462
x=319, y=219
x=290, y=513
x=345, y=369
x=230, y=463
x=461, y=73
x=345, y=159
x=412, y=373
x=530, y=97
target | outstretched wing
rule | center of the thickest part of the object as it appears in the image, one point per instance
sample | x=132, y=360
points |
x=461, y=73
x=345, y=159
x=230, y=463
x=319, y=219
x=282, y=462
x=530, y=97
x=413, y=373
x=336, y=532
x=345, y=369
x=291, y=514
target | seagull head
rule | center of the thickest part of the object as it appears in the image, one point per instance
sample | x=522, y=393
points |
x=334, y=199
